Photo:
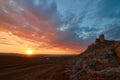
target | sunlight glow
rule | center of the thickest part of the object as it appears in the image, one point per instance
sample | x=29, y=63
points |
x=29, y=52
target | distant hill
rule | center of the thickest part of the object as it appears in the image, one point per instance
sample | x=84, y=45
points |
x=100, y=61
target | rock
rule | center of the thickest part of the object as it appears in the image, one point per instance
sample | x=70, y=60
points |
x=111, y=71
x=99, y=62
x=104, y=55
x=108, y=56
x=118, y=52
x=108, y=74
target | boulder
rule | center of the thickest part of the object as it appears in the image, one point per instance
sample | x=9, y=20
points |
x=118, y=52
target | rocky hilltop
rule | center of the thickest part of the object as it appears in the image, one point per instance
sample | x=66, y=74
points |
x=100, y=61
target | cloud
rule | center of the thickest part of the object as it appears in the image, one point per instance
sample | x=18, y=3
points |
x=109, y=14
x=112, y=31
x=54, y=24
x=7, y=43
x=109, y=8
x=3, y=38
x=32, y=22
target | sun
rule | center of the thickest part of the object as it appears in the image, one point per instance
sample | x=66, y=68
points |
x=29, y=51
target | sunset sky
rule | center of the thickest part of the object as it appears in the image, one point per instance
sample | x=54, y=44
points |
x=56, y=26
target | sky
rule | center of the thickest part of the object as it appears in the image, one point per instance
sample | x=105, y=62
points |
x=56, y=26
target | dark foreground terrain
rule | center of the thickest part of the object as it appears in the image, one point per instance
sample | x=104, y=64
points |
x=33, y=68
x=101, y=61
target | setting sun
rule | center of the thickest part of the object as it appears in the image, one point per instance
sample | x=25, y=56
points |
x=29, y=51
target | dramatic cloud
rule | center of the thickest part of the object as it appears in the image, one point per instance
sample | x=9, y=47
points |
x=63, y=24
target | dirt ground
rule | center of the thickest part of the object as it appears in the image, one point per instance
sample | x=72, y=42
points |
x=18, y=68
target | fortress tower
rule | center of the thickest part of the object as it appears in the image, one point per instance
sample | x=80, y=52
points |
x=100, y=39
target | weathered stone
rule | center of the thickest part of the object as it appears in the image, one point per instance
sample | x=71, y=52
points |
x=104, y=55
x=111, y=71
x=102, y=39
x=118, y=52
x=108, y=56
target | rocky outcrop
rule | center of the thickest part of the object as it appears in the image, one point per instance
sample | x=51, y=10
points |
x=118, y=52
x=100, y=61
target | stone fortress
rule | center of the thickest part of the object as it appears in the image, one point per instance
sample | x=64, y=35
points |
x=100, y=39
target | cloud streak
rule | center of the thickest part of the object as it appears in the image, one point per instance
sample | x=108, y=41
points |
x=54, y=24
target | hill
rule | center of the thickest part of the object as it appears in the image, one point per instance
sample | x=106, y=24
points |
x=100, y=61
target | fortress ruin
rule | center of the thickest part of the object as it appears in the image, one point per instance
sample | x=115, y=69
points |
x=100, y=39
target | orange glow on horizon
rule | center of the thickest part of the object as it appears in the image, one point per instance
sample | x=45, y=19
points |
x=29, y=52
x=11, y=43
